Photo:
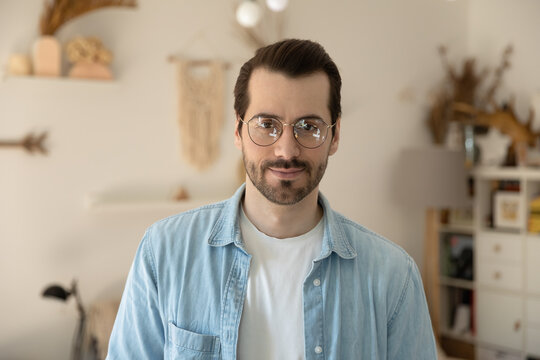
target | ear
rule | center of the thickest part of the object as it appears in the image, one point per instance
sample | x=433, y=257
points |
x=237, y=134
x=335, y=139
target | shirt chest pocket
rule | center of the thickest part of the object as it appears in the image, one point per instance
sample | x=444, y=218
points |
x=187, y=345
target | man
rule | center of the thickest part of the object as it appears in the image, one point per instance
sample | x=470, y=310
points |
x=274, y=272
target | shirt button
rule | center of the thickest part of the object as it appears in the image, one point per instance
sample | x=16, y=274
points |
x=318, y=349
x=316, y=282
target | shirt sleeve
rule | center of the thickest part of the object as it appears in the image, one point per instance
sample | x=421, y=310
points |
x=410, y=334
x=138, y=330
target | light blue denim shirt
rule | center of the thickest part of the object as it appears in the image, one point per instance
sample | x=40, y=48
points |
x=363, y=298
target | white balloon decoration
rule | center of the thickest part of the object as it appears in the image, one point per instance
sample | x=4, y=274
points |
x=248, y=13
x=277, y=5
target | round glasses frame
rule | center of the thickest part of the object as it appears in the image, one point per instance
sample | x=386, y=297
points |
x=283, y=124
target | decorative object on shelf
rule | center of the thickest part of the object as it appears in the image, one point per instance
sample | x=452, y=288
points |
x=432, y=179
x=60, y=293
x=464, y=88
x=534, y=216
x=438, y=117
x=493, y=147
x=31, y=143
x=56, y=13
x=508, y=213
x=248, y=13
x=89, y=58
x=256, y=25
x=454, y=136
x=461, y=217
x=200, y=111
x=277, y=5
x=471, y=150
x=461, y=102
x=19, y=64
x=181, y=194
x=462, y=320
x=506, y=121
x=47, y=56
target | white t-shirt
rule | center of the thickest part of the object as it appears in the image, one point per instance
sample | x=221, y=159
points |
x=272, y=323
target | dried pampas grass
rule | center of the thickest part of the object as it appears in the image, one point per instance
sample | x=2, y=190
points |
x=58, y=12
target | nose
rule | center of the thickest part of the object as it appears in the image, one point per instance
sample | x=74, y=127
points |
x=287, y=147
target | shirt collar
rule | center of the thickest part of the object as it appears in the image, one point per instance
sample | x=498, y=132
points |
x=227, y=228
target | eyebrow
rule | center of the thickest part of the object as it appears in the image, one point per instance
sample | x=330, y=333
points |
x=308, y=116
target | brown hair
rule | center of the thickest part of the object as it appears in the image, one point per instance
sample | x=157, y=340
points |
x=294, y=58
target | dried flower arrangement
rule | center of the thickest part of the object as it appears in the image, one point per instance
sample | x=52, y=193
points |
x=463, y=88
x=462, y=100
x=89, y=58
x=88, y=49
x=58, y=12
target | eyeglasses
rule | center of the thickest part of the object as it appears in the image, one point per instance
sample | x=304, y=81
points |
x=264, y=131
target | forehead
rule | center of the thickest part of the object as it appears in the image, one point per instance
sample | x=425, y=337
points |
x=275, y=92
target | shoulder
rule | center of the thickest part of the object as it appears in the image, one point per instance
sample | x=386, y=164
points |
x=381, y=262
x=202, y=213
x=377, y=258
x=193, y=225
x=368, y=243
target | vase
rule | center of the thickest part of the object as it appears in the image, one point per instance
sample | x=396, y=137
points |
x=47, y=56
x=90, y=70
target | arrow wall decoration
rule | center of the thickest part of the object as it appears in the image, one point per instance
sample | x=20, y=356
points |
x=32, y=143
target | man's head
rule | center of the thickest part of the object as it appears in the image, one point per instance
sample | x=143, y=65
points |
x=289, y=102
x=294, y=58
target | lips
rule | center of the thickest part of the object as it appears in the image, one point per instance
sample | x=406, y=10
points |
x=286, y=174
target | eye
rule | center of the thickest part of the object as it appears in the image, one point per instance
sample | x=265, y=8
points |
x=311, y=125
x=265, y=123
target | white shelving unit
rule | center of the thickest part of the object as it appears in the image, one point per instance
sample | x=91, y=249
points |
x=53, y=79
x=507, y=269
x=98, y=204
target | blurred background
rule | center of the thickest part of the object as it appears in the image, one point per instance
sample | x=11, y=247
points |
x=114, y=147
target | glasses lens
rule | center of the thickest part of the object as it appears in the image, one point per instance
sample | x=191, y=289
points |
x=264, y=131
x=310, y=133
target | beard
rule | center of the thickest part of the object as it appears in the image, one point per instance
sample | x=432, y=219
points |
x=284, y=193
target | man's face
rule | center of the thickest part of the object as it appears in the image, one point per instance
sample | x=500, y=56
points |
x=286, y=172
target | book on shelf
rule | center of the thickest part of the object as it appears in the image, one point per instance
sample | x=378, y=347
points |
x=534, y=215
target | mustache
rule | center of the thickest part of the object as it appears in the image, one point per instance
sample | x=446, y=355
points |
x=286, y=164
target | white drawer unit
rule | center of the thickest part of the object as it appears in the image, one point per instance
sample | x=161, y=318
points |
x=499, y=275
x=533, y=265
x=500, y=247
x=500, y=319
x=507, y=265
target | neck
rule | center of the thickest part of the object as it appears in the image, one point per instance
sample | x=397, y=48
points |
x=281, y=221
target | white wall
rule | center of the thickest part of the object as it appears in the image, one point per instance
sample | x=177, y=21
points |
x=124, y=133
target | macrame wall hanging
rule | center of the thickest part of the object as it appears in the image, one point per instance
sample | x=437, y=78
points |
x=200, y=109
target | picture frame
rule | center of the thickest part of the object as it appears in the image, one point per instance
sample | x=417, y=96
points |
x=508, y=212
